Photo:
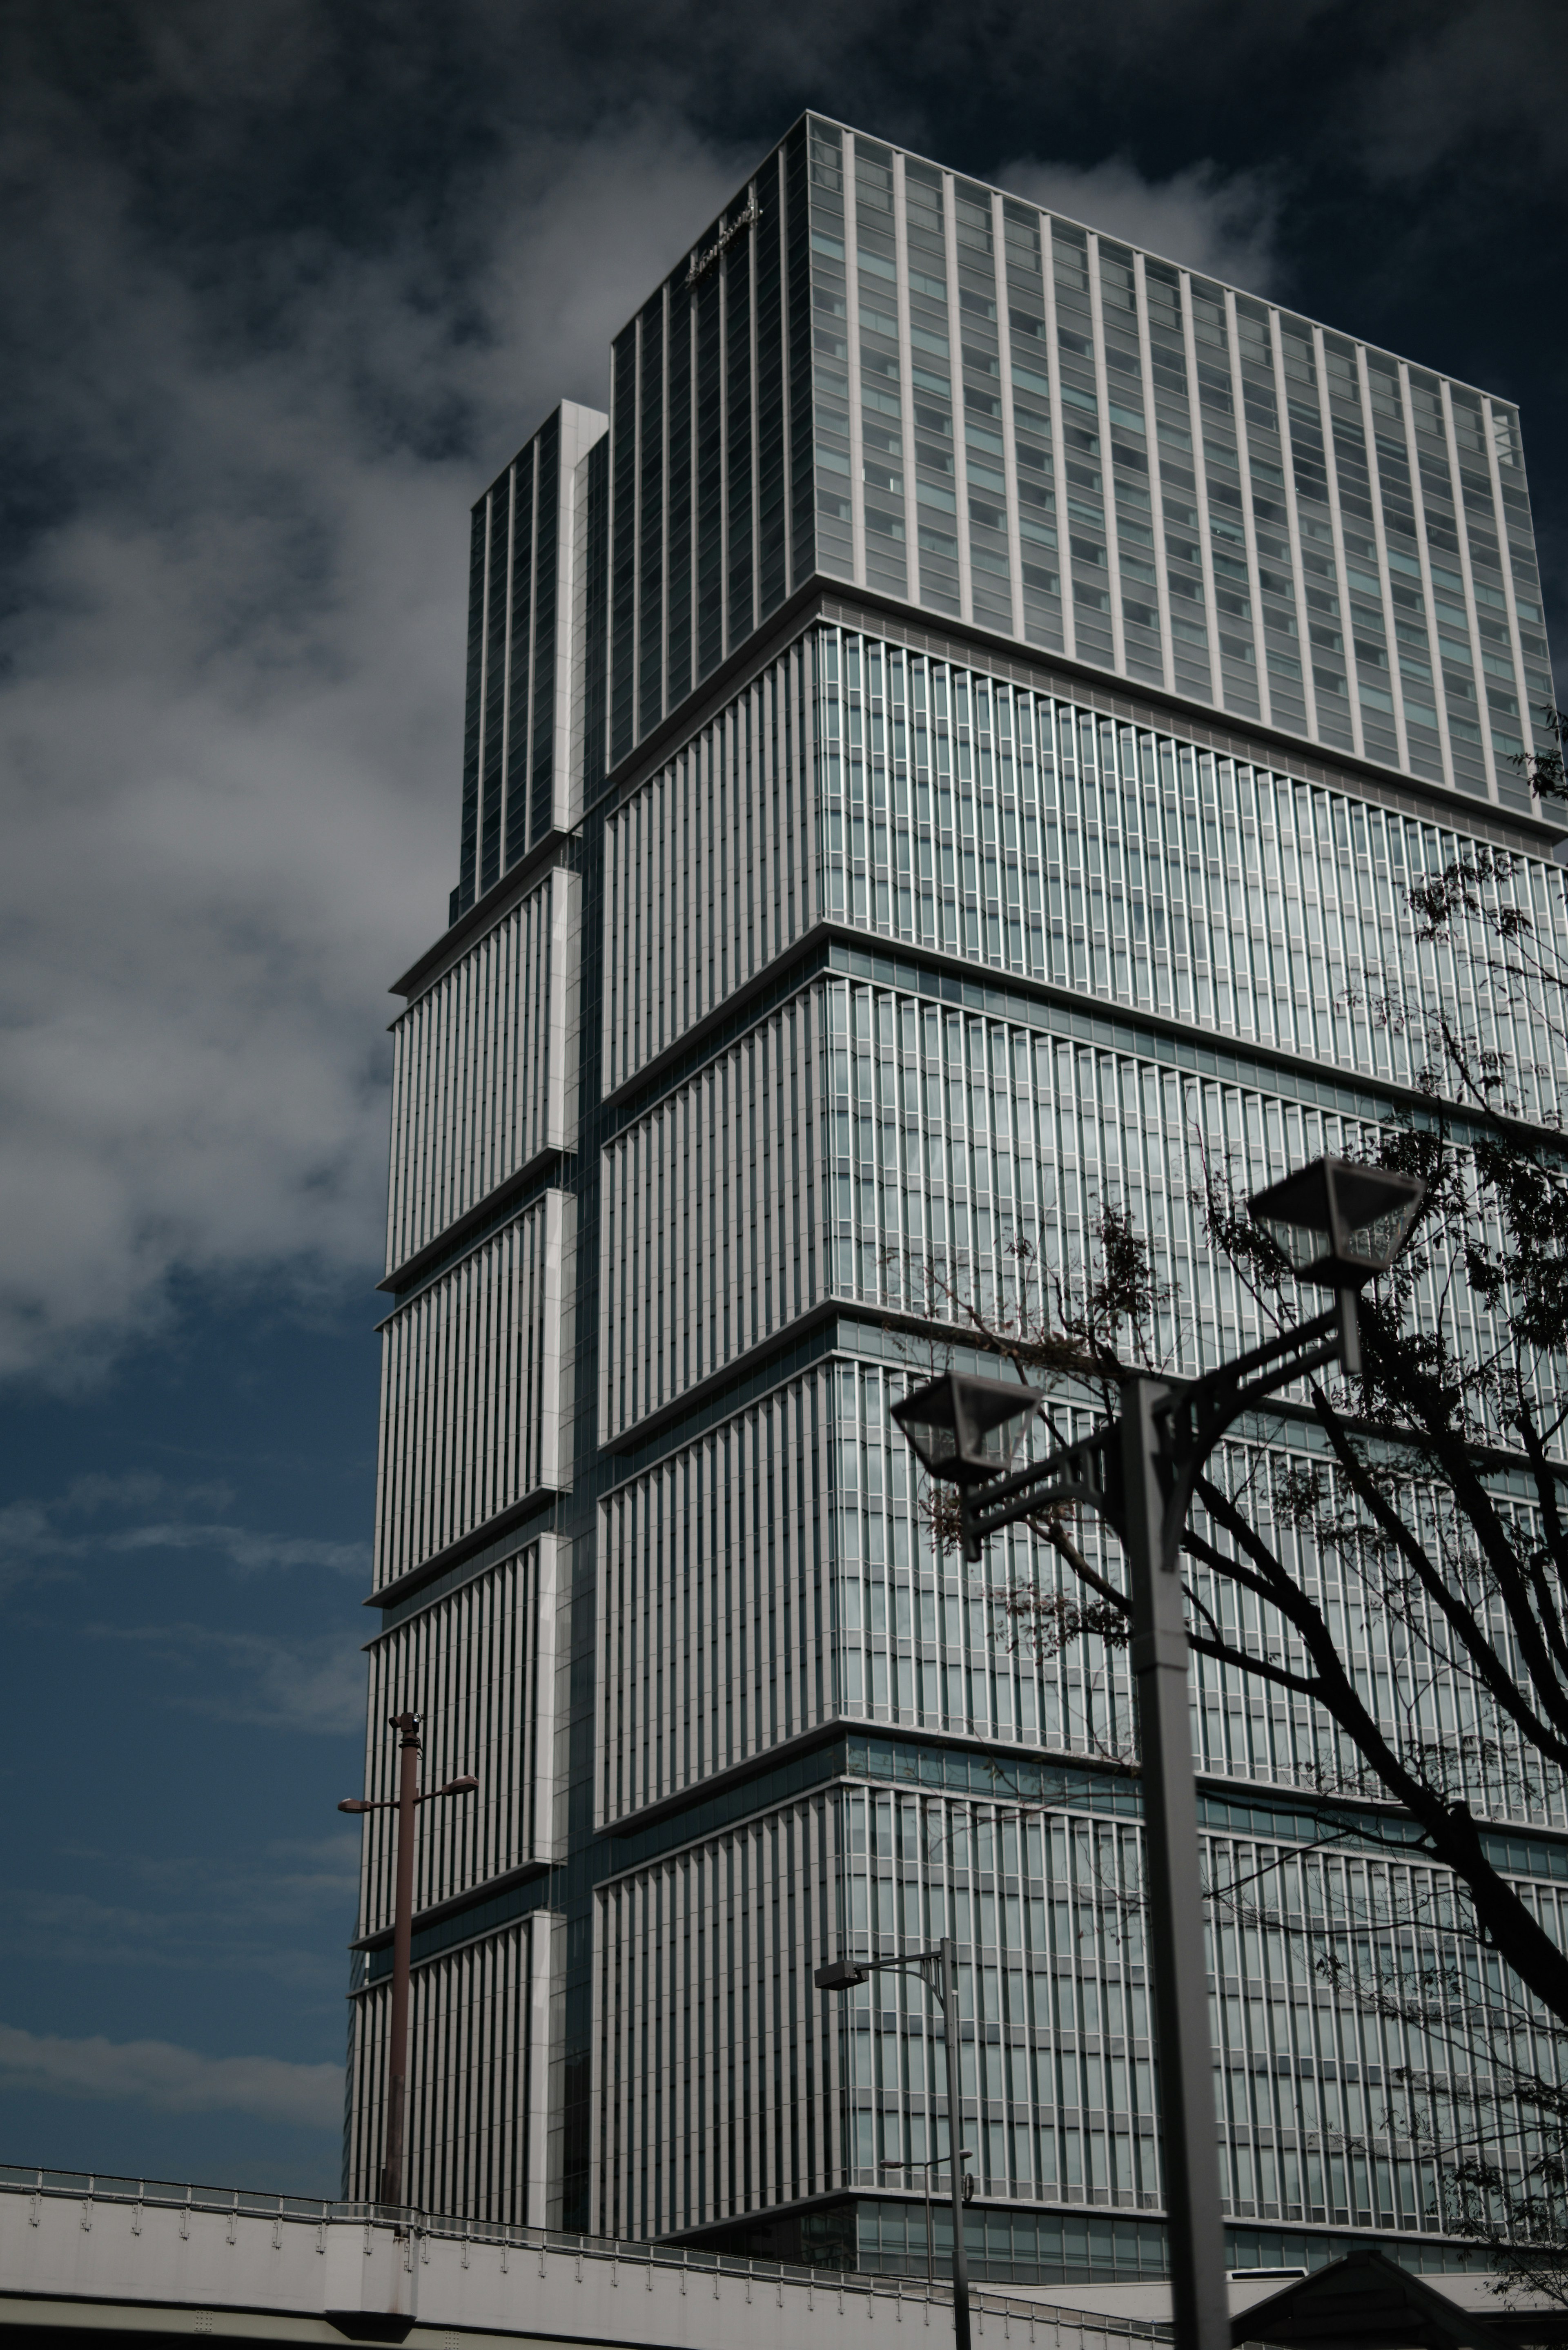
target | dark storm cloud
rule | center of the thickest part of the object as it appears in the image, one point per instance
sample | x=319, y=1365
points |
x=288, y=281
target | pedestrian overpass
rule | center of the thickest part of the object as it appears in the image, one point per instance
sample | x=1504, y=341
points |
x=86, y=2259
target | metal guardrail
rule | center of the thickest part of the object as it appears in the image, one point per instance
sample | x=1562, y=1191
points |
x=89, y=2187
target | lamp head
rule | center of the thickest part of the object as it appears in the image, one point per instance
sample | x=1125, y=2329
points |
x=1338, y=1225
x=355, y=1804
x=967, y=1429
x=840, y=1974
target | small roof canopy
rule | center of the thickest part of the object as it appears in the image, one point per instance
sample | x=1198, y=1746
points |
x=1367, y=2302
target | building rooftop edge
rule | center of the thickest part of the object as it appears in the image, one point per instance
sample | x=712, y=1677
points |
x=816, y=114
x=584, y=408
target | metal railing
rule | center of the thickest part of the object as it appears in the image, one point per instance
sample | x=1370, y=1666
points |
x=1064, y=2326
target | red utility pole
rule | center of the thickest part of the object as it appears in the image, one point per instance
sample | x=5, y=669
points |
x=408, y=1796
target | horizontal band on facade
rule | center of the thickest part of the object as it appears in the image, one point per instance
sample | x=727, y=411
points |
x=724, y=1392
x=1081, y=682
x=487, y=1545
x=1115, y=1027
x=817, y=1760
x=739, y=1011
x=546, y=1168
x=518, y=1894
x=830, y=1328
x=932, y=1762
x=838, y=948
x=1299, y=756
x=1124, y=2246
x=834, y=1328
x=1072, y=1014
x=558, y=848
x=1107, y=2236
x=1066, y=2235
x=1108, y=693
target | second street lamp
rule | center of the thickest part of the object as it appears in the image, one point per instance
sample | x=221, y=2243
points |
x=937, y=1969
x=404, y=1803
x=896, y=2162
x=1335, y=1225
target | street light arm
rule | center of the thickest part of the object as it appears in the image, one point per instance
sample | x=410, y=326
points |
x=895, y=1966
x=1087, y=1473
x=390, y=1802
x=849, y=1974
x=1193, y=1415
x=1193, y=1418
x=1277, y=1359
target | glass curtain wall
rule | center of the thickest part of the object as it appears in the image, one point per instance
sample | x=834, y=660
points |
x=518, y=732
x=872, y=371
x=833, y=969
x=703, y=405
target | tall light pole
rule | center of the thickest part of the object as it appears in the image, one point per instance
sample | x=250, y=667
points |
x=937, y=1969
x=896, y=2162
x=1337, y=1226
x=404, y=1803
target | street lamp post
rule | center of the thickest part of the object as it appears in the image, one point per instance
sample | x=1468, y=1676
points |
x=404, y=1803
x=896, y=2162
x=937, y=1969
x=1337, y=1226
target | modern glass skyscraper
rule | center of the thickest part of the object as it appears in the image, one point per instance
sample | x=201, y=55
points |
x=943, y=753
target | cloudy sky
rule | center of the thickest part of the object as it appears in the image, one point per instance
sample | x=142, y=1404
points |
x=285, y=283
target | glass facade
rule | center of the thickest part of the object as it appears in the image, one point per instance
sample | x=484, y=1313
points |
x=883, y=845
x=521, y=745
x=871, y=371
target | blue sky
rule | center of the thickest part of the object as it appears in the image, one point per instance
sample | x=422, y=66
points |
x=184, y=1707
x=285, y=284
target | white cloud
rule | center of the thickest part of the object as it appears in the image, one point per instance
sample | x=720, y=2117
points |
x=229, y=726
x=43, y=1540
x=1220, y=223
x=173, y=2080
x=269, y=1679
x=251, y=1552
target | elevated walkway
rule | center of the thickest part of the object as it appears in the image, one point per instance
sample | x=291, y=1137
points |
x=86, y=2259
